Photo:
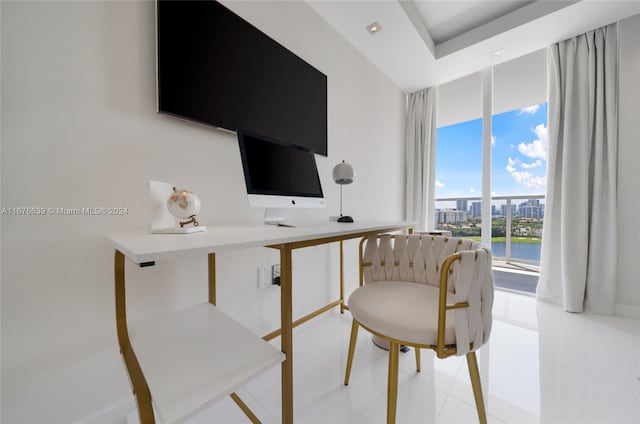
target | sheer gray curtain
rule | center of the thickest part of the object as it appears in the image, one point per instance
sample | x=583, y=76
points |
x=420, y=157
x=579, y=241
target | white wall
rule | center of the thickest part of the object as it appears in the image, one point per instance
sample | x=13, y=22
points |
x=517, y=83
x=460, y=100
x=79, y=129
x=520, y=82
x=628, y=289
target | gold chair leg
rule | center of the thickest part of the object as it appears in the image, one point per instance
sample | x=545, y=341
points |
x=418, y=368
x=352, y=348
x=392, y=384
x=474, y=374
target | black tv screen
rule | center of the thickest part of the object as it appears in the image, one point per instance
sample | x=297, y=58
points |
x=217, y=69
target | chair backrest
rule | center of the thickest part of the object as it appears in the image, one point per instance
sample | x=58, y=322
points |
x=415, y=258
x=420, y=258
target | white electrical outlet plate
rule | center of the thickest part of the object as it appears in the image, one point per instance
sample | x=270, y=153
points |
x=264, y=277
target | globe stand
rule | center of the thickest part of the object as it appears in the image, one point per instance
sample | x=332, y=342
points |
x=192, y=220
x=188, y=230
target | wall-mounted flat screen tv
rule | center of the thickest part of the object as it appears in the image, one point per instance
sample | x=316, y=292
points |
x=217, y=69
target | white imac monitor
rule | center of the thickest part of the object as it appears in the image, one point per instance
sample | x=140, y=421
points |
x=278, y=175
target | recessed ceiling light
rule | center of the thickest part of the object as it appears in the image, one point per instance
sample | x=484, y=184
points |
x=498, y=52
x=374, y=28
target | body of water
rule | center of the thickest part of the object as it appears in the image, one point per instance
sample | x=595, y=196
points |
x=528, y=251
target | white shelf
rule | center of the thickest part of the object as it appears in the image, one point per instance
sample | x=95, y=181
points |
x=194, y=357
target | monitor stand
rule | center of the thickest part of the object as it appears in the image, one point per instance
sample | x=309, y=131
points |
x=273, y=216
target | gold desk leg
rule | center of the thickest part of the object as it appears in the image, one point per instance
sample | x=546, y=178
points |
x=286, y=325
x=418, y=367
x=140, y=388
x=245, y=409
x=392, y=384
x=211, y=260
x=341, y=277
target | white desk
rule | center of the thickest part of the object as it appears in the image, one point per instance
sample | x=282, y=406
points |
x=144, y=249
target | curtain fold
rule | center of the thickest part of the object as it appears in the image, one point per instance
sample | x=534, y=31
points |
x=578, y=263
x=420, y=135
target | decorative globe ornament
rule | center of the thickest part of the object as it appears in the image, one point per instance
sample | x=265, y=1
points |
x=184, y=204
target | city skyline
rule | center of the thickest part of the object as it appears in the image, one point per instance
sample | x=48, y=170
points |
x=518, y=162
x=463, y=210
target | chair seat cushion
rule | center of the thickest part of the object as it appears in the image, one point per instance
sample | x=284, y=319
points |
x=407, y=312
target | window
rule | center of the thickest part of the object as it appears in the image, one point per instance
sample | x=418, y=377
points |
x=518, y=183
x=459, y=175
x=509, y=209
x=519, y=151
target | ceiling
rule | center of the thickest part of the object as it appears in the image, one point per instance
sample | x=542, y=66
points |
x=429, y=42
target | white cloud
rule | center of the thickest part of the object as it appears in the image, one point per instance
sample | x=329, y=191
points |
x=530, y=181
x=536, y=164
x=529, y=109
x=533, y=150
x=520, y=176
x=493, y=140
x=537, y=148
x=472, y=190
x=512, y=146
x=525, y=178
x=439, y=184
x=511, y=165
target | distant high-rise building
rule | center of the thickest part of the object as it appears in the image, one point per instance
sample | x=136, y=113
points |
x=476, y=209
x=531, y=209
x=461, y=205
x=503, y=210
x=451, y=216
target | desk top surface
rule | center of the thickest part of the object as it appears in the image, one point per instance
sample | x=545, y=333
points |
x=146, y=247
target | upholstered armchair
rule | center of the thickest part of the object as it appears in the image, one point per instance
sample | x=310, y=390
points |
x=426, y=292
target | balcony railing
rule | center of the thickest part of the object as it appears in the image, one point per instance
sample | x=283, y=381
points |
x=529, y=219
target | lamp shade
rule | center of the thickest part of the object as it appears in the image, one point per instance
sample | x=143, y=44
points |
x=343, y=173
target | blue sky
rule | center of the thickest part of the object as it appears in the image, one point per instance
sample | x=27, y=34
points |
x=519, y=155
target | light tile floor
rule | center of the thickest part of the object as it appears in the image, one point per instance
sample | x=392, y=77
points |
x=542, y=365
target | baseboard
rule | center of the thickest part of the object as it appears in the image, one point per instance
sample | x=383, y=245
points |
x=627, y=311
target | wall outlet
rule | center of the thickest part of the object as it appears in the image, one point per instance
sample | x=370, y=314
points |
x=275, y=274
x=264, y=277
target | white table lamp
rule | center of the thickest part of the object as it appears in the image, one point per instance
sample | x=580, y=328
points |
x=342, y=174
